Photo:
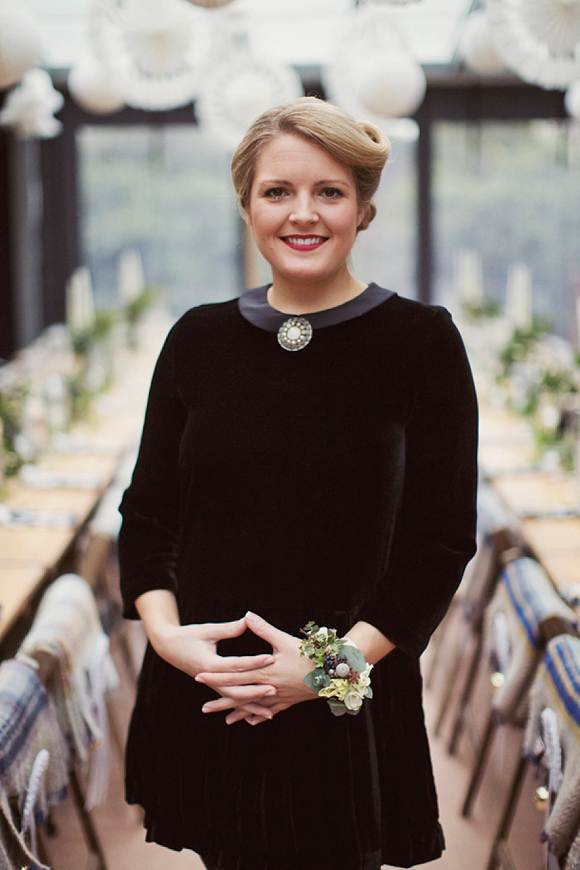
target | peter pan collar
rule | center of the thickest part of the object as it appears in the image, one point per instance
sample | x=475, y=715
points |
x=255, y=308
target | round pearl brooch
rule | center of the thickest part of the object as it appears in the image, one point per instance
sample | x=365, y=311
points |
x=295, y=333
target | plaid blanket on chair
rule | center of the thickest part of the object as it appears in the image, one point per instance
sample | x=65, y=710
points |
x=67, y=640
x=28, y=724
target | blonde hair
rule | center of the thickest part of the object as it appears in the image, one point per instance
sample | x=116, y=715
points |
x=357, y=144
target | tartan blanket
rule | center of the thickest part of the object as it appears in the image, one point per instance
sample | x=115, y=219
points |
x=28, y=723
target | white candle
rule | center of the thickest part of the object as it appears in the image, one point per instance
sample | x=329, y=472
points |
x=130, y=276
x=518, y=304
x=469, y=277
x=80, y=304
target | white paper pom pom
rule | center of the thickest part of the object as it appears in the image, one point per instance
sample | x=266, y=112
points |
x=477, y=47
x=92, y=88
x=19, y=41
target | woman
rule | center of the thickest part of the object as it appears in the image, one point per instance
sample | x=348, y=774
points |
x=308, y=454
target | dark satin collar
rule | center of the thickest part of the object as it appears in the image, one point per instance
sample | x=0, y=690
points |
x=254, y=306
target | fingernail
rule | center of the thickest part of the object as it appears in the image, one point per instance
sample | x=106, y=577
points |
x=269, y=661
x=199, y=679
x=269, y=692
x=205, y=709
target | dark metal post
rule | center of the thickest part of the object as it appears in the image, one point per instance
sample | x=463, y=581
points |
x=424, y=271
x=7, y=337
x=61, y=224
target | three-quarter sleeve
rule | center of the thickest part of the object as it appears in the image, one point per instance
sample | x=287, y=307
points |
x=148, y=540
x=435, y=531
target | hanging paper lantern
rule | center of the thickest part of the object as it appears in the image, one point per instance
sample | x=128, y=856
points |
x=539, y=40
x=154, y=50
x=374, y=75
x=238, y=90
x=30, y=107
x=391, y=85
x=210, y=4
x=92, y=88
x=19, y=41
x=477, y=48
x=572, y=100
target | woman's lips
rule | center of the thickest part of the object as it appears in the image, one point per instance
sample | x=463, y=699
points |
x=303, y=243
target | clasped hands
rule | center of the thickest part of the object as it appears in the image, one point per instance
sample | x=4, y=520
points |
x=253, y=688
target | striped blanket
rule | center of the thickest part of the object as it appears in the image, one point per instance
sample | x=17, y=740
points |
x=533, y=611
x=557, y=688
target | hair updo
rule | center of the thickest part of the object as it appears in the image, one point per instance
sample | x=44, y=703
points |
x=357, y=144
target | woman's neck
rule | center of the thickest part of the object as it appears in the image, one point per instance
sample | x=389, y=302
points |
x=308, y=298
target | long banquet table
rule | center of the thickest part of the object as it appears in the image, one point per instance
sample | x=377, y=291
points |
x=544, y=503
x=31, y=555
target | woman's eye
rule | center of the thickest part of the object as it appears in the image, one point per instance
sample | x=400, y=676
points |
x=274, y=193
x=331, y=193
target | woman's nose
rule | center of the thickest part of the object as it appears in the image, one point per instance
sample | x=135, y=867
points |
x=303, y=209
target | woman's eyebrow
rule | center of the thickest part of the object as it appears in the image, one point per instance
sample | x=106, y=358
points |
x=266, y=181
x=336, y=181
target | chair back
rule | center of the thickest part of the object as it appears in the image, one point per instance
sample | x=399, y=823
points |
x=67, y=640
x=28, y=728
x=525, y=613
x=556, y=691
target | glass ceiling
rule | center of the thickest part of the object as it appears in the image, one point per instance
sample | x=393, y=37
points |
x=291, y=31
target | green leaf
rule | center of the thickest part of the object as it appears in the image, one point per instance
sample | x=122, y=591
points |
x=354, y=657
x=337, y=707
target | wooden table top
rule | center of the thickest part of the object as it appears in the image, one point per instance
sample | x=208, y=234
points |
x=538, y=493
x=18, y=583
x=27, y=553
x=43, y=547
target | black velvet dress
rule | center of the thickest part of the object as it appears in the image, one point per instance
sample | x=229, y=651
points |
x=335, y=483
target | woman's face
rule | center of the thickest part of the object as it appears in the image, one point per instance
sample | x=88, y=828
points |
x=303, y=211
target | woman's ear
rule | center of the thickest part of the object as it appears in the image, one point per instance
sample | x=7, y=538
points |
x=246, y=215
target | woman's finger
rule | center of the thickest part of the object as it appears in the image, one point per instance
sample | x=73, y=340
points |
x=215, y=678
x=221, y=630
x=263, y=629
x=242, y=663
x=244, y=694
x=251, y=718
x=254, y=720
x=220, y=705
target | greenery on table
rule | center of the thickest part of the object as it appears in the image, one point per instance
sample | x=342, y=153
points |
x=541, y=376
x=522, y=343
x=99, y=331
x=12, y=401
x=484, y=310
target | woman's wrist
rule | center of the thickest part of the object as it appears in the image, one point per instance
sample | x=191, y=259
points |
x=160, y=616
x=372, y=643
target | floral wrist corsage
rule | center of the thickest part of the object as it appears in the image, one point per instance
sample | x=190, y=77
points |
x=341, y=674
